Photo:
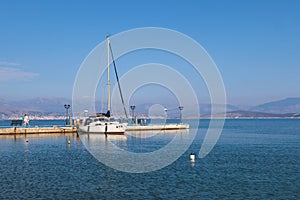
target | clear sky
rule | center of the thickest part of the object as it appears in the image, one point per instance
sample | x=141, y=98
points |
x=255, y=44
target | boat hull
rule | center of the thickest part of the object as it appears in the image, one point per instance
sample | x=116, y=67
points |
x=110, y=128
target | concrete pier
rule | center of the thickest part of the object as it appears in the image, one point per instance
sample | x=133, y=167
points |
x=73, y=129
x=157, y=127
x=37, y=130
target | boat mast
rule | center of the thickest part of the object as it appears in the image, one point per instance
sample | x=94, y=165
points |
x=108, y=75
x=117, y=77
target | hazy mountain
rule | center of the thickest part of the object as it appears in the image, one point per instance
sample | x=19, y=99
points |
x=205, y=109
x=251, y=114
x=35, y=106
x=288, y=105
x=173, y=110
x=47, y=104
x=55, y=107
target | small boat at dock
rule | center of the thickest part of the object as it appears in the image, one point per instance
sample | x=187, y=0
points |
x=102, y=124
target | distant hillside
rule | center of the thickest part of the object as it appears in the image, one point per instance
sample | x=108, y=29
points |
x=288, y=105
x=54, y=107
x=205, y=109
x=35, y=107
x=251, y=114
x=173, y=111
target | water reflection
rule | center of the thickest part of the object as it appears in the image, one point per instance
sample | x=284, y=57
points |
x=39, y=135
x=101, y=142
x=96, y=137
x=138, y=151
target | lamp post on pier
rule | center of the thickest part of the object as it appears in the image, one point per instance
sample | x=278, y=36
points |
x=67, y=106
x=132, y=111
x=166, y=112
x=180, y=109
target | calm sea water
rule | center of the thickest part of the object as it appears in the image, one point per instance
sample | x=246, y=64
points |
x=253, y=159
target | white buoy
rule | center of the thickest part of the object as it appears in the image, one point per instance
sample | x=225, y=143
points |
x=192, y=157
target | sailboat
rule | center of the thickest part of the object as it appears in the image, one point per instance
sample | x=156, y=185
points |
x=101, y=122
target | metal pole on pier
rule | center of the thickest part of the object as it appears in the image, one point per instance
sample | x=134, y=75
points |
x=67, y=106
x=180, y=109
x=132, y=111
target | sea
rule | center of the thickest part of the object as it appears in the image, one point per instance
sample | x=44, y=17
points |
x=252, y=159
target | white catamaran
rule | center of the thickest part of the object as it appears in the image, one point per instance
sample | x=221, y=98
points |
x=102, y=123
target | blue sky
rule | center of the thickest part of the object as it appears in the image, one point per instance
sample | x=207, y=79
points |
x=255, y=44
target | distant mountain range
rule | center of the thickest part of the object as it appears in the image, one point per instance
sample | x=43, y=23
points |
x=54, y=108
x=289, y=105
x=36, y=107
x=252, y=114
x=286, y=108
